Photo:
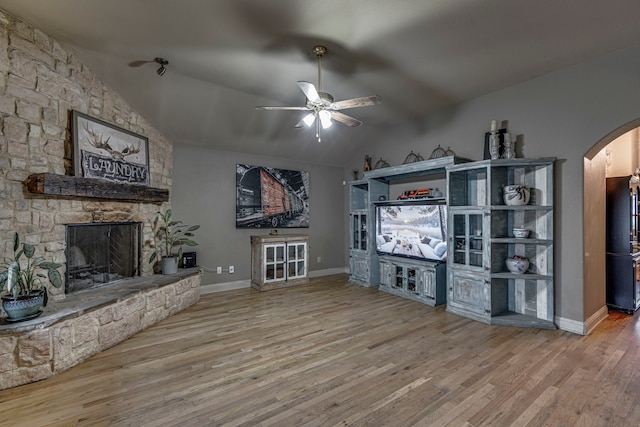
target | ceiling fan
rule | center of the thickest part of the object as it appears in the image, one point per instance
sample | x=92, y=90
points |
x=321, y=106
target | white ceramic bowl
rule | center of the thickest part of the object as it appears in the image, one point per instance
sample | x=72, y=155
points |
x=520, y=233
x=515, y=195
x=517, y=265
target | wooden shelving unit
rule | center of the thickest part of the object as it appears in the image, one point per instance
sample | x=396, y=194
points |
x=480, y=240
x=422, y=280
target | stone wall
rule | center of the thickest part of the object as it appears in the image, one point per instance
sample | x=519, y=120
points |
x=50, y=344
x=40, y=84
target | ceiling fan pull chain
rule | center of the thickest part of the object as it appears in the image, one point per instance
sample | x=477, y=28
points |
x=320, y=73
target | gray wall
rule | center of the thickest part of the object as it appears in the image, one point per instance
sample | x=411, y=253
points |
x=204, y=183
x=562, y=114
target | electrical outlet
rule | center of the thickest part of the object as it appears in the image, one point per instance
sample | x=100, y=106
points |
x=218, y=270
x=232, y=269
x=319, y=259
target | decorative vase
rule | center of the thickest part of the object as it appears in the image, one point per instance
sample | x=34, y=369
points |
x=517, y=265
x=515, y=195
x=509, y=147
x=24, y=307
x=520, y=233
x=169, y=264
x=494, y=145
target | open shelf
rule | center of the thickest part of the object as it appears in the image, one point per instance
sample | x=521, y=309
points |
x=53, y=185
x=480, y=286
x=510, y=318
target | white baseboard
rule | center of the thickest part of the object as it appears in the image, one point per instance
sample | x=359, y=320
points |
x=328, y=272
x=227, y=286
x=583, y=328
x=240, y=284
x=596, y=318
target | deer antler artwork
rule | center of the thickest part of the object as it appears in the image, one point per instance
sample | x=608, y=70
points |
x=96, y=140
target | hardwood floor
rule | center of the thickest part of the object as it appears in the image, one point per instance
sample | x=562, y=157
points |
x=330, y=353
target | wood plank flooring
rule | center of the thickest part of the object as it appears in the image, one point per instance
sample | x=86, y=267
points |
x=334, y=354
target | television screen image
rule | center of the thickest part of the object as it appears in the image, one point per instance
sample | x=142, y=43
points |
x=414, y=231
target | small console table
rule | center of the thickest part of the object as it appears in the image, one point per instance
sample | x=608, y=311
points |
x=279, y=261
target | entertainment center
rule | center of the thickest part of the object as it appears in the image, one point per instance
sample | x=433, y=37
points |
x=455, y=249
x=399, y=265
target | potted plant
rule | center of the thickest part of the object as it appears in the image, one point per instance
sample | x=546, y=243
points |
x=169, y=234
x=23, y=283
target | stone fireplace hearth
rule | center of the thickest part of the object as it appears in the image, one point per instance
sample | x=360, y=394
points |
x=89, y=321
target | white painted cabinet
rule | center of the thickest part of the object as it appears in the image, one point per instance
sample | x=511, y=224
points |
x=279, y=261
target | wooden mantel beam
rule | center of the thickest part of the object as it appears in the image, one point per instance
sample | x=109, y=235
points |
x=53, y=185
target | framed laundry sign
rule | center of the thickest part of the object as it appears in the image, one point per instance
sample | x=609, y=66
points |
x=102, y=150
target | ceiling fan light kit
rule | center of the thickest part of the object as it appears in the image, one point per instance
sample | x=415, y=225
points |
x=321, y=106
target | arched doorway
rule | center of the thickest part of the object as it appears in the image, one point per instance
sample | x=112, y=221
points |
x=596, y=161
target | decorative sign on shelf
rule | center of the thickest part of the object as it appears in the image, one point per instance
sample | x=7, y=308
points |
x=104, y=151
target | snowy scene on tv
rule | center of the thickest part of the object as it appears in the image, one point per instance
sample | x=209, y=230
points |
x=414, y=231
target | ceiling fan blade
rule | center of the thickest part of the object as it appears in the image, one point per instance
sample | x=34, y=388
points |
x=356, y=102
x=281, y=108
x=344, y=119
x=310, y=92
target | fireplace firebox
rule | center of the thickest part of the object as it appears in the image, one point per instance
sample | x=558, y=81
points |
x=101, y=253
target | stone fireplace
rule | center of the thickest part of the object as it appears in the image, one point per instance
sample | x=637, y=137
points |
x=101, y=253
x=42, y=201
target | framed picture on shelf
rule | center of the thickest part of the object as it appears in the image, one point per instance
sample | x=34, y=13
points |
x=102, y=150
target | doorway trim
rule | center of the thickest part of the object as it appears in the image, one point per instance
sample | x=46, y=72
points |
x=594, y=228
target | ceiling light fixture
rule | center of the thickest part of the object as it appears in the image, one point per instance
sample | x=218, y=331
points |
x=322, y=109
x=309, y=119
x=325, y=118
x=162, y=63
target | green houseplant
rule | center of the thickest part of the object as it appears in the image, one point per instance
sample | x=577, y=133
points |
x=23, y=283
x=168, y=235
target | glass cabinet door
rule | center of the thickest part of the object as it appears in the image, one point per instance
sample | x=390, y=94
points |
x=468, y=238
x=399, y=277
x=359, y=231
x=296, y=258
x=274, y=262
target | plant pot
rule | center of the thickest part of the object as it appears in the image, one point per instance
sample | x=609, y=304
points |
x=24, y=307
x=169, y=264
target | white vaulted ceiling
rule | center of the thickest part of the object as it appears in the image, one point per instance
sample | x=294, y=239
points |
x=225, y=57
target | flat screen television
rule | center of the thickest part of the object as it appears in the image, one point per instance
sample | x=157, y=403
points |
x=415, y=230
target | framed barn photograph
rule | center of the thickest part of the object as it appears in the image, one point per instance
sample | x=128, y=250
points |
x=102, y=150
x=271, y=198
